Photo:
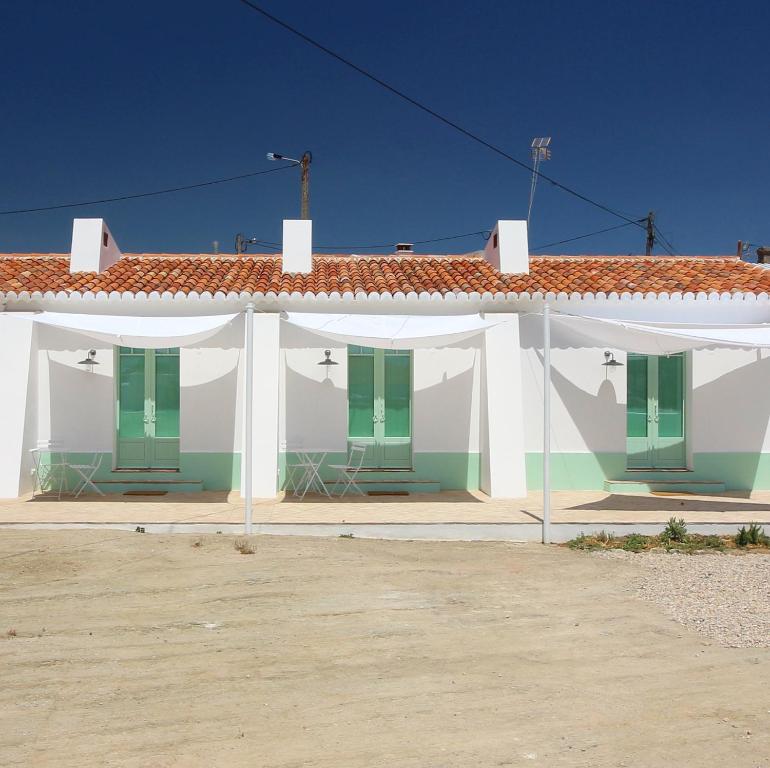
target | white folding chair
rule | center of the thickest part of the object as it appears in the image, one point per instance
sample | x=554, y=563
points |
x=50, y=475
x=87, y=472
x=346, y=473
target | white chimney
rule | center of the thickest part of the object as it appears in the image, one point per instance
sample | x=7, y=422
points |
x=297, y=245
x=507, y=249
x=93, y=248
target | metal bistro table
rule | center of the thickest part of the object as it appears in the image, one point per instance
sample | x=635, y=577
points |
x=303, y=474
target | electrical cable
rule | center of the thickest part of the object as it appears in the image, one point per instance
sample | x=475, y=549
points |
x=484, y=232
x=147, y=194
x=433, y=113
x=581, y=237
x=667, y=246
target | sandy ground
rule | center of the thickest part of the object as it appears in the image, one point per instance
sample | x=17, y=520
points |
x=136, y=650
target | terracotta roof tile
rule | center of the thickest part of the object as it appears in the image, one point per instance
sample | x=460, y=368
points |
x=379, y=274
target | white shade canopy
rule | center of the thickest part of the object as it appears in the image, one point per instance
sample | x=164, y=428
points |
x=656, y=338
x=393, y=331
x=143, y=332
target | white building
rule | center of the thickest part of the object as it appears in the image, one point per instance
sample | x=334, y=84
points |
x=459, y=406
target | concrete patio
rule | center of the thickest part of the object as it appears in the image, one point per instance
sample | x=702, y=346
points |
x=446, y=515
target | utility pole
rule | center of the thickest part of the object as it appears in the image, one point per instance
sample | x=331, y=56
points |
x=650, y=233
x=304, y=164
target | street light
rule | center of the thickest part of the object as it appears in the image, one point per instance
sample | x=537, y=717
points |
x=304, y=164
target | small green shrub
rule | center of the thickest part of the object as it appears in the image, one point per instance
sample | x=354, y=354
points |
x=635, y=542
x=581, y=541
x=756, y=534
x=675, y=530
x=742, y=537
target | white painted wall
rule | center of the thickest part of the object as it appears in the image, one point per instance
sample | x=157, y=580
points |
x=728, y=410
x=314, y=405
x=211, y=382
x=729, y=405
x=265, y=406
x=75, y=407
x=730, y=401
x=17, y=415
x=503, y=470
x=447, y=394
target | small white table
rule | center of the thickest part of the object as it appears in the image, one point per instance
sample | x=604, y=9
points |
x=308, y=467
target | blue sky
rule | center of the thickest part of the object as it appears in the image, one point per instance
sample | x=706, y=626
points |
x=656, y=105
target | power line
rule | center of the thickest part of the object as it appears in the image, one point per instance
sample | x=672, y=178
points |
x=146, y=194
x=667, y=246
x=589, y=234
x=432, y=112
x=483, y=232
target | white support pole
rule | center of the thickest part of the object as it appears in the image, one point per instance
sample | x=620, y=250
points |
x=248, y=403
x=546, y=424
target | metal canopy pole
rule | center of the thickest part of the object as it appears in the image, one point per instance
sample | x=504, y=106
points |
x=248, y=400
x=546, y=424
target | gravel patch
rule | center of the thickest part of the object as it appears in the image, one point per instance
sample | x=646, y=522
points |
x=725, y=597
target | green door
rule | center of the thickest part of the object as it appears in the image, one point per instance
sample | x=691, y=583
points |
x=655, y=425
x=148, y=408
x=380, y=405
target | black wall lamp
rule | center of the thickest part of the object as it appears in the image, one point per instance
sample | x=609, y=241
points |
x=328, y=358
x=90, y=360
x=610, y=361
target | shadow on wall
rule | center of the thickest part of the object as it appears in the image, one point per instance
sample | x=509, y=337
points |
x=209, y=428
x=316, y=412
x=583, y=409
x=736, y=403
x=81, y=406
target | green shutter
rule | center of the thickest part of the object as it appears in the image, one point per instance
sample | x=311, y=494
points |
x=671, y=396
x=131, y=404
x=360, y=392
x=167, y=393
x=398, y=388
x=636, y=409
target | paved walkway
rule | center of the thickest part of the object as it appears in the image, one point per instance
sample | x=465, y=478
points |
x=593, y=507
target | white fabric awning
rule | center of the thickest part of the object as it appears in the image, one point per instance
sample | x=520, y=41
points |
x=393, y=331
x=143, y=332
x=657, y=338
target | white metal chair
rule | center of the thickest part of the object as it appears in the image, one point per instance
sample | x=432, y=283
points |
x=49, y=468
x=347, y=473
x=87, y=472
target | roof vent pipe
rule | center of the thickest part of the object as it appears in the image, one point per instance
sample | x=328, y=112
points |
x=404, y=249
